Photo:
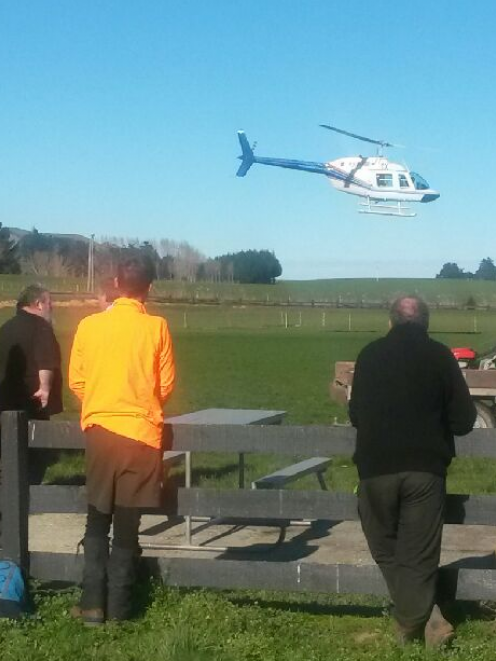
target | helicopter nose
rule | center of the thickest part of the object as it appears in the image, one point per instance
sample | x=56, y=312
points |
x=430, y=197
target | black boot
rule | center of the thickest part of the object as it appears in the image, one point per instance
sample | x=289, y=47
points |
x=121, y=577
x=94, y=597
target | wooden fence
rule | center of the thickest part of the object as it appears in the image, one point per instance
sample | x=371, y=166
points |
x=464, y=580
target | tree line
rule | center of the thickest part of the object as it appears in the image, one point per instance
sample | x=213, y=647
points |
x=60, y=255
x=486, y=271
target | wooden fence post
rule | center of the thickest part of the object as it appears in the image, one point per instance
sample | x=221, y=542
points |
x=15, y=488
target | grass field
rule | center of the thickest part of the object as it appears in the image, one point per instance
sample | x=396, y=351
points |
x=246, y=357
x=233, y=626
x=236, y=626
x=342, y=291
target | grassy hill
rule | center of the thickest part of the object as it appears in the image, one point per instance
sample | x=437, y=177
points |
x=353, y=292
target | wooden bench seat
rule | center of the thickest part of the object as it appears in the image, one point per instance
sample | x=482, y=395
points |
x=276, y=480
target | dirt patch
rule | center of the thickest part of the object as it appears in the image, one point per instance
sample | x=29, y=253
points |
x=366, y=637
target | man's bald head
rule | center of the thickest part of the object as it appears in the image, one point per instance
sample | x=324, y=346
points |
x=409, y=310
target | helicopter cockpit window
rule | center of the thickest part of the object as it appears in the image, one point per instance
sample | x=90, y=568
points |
x=418, y=181
x=403, y=181
x=385, y=180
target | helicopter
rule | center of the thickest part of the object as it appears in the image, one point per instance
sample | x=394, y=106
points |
x=387, y=188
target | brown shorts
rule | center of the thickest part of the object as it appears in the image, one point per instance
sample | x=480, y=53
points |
x=121, y=471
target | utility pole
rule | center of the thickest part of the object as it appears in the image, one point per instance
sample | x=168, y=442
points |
x=90, y=286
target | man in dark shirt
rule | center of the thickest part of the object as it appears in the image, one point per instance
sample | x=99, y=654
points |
x=30, y=365
x=409, y=398
x=30, y=369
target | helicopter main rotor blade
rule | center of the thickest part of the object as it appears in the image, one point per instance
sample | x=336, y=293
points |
x=382, y=143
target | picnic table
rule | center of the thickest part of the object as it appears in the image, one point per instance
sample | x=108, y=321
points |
x=276, y=480
x=219, y=417
x=222, y=417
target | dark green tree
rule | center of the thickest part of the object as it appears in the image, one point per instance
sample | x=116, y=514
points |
x=451, y=270
x=486, y=270
x=250, y=266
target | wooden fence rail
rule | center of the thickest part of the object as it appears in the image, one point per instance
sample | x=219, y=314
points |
x=260, y=439
x=475, y=581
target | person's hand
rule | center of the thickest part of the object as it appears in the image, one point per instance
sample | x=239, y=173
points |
x=42, y=396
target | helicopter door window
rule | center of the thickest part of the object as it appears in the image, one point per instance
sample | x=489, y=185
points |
x=385, y=180
x=404, y=181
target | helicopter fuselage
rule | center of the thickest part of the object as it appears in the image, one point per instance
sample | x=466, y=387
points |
x=374, y=178
x=377, y=178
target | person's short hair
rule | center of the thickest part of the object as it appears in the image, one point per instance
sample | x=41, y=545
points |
x=106, y=287
x=30, y=295
x=409, y=310
x=135, y=275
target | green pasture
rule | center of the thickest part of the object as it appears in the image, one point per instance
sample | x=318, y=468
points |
x=11, y=285
x=446, y=325
x=272, y=358
x=339, y=291
x=246, y=357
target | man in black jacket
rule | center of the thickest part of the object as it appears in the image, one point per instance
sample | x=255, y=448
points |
x=30, y=367
x=30, y=363
x=409, y=399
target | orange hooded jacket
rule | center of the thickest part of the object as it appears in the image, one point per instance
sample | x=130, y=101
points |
x=122, y=369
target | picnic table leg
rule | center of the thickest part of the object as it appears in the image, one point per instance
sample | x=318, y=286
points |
x=323, y=485
x=188, y=486
x=241, y=477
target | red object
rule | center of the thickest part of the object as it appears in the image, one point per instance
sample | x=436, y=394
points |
x=463, y=353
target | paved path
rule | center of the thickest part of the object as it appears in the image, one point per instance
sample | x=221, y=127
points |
x=323, y=543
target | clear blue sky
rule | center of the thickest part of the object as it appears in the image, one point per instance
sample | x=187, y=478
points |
x=120, y=118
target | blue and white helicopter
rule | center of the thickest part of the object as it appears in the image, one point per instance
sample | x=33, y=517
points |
x=387, y=188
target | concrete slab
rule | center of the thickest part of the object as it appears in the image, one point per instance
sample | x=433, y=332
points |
x=320, y=542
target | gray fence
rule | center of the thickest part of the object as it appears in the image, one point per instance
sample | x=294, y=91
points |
x=19, y=500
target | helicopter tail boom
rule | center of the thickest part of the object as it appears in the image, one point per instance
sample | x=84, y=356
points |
x=247, y=157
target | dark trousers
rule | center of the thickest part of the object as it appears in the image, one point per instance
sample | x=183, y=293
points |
x=126, y=522
x=108, y=580
x=402, y=518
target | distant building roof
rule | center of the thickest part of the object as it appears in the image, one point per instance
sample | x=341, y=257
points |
x=18, y=234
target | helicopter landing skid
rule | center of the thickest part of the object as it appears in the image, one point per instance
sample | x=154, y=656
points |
x=384, y=209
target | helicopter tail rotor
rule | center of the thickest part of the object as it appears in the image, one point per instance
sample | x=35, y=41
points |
x=247, y=157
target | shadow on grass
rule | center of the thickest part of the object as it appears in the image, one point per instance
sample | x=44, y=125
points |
x=208, y=472
x=311, y=608
x=458, y=612
x=143, y=591
x=66, y=480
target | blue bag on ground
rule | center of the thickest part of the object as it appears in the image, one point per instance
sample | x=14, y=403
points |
x=12, y=590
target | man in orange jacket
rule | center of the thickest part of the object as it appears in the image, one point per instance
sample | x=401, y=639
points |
x=122, y=370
